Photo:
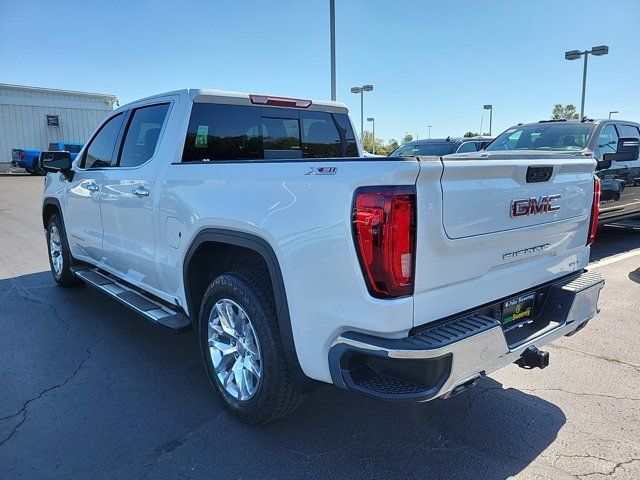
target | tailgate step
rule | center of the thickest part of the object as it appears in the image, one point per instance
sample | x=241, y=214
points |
x=142, y=304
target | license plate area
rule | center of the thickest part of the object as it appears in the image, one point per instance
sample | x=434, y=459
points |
x=519, y=311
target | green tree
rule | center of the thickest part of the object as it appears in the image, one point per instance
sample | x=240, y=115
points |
x=407, y=138
x=471, y=134
x=368, y=142
x=392, y=145
x=567, y=112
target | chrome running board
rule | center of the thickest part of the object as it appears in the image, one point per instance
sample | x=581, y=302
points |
x=142, y=304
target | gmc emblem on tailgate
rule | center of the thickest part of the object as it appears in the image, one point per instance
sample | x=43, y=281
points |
x=523, y=207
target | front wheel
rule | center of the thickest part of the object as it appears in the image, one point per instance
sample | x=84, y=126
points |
x=59, y=255
x=242, y=350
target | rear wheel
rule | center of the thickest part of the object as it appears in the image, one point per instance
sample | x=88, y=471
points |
x=59, y=255
x=242, y=350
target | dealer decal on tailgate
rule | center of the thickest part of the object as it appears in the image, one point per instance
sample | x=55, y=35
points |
x=518, y=309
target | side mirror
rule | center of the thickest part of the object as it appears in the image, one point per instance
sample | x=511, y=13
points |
x=57, y=162
x=604, y=163
x=627, y=150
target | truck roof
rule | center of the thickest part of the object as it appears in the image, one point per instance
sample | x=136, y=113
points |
x=200, y=95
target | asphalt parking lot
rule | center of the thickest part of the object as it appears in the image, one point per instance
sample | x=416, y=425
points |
x=90, y=390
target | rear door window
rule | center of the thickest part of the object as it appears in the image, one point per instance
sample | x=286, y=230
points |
x=100, y=151
x=141, y=137
x=223, y=132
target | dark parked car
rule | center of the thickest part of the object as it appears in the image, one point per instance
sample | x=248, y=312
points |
x=613, y=143
x=441, y=146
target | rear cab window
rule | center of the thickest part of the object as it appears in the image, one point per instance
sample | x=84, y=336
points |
x=71, y=148
x=241, y=132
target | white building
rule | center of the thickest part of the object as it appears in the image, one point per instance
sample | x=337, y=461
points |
x=33, y=117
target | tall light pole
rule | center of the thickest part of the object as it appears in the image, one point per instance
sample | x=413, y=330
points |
x=361, y=90
x=373, y=144
x=612, y=112
x=332, y=28
x=576, y=54
x=429, y=130
x=490, y=108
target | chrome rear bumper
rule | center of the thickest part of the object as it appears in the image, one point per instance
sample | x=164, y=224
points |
x=442, y=359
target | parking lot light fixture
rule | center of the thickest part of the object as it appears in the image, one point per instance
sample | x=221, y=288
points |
x=612, y=112
x=373, y=126
x=598, y=51
x=332, y=34
x=490, y=108
x=429, y=130
x=361, y=90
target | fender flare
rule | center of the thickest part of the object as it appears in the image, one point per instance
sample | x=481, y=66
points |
x=55, y=202
x=264, y=249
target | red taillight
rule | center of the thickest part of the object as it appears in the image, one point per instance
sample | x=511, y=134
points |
x=384, y=232
x=279, y=101
x=20, y=154
x=595, y=211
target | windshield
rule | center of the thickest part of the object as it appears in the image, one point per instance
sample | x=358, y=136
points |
x=544, y=136
x=430, y=148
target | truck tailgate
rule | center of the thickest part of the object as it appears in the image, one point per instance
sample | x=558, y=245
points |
x=485, y=232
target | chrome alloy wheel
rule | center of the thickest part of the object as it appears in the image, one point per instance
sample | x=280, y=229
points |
x=55, y=250
x=234, y=349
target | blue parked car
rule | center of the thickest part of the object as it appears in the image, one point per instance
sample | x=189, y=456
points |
x=30, y=159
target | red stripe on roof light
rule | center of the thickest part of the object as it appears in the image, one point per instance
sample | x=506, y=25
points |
x=279, y=101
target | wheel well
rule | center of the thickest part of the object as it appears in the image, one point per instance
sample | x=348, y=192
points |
x=47, y=212
x=212, y=259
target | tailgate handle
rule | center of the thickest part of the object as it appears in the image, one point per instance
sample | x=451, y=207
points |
x=539, y=174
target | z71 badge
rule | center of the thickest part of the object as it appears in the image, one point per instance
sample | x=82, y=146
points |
x=322, y=171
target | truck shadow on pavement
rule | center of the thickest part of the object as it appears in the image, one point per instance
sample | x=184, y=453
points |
x=93, y=391
x=612, y=240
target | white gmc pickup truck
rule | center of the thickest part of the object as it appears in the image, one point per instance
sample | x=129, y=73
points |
x=255, y=221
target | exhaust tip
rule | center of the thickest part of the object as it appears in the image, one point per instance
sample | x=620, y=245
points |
x=464, y=386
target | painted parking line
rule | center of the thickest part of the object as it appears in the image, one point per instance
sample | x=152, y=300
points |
x=615, y=258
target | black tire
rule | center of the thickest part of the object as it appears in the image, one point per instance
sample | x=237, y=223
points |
x=276, y=394
x=64, y=277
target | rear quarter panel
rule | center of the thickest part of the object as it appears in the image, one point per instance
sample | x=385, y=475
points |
x=306, y=218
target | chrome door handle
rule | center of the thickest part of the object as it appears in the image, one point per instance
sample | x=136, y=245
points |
x=93, y=187
x=140, y=192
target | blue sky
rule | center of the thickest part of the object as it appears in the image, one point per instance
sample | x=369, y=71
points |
x=431, y=63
